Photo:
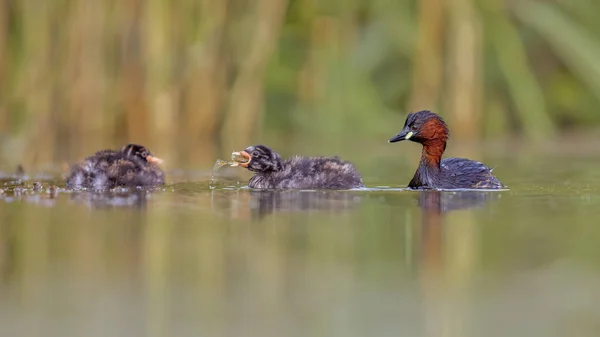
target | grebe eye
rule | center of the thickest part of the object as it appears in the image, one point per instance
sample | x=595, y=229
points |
x=255, y=154
x=144, y=154
x=414, y=128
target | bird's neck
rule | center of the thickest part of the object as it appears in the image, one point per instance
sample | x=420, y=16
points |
x=429, y=167
x=431, y=156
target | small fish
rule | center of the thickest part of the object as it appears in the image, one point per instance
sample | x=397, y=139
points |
x=220, y=163
x=237, y=158
x=240, y=157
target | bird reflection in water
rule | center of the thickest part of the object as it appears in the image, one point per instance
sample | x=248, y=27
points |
x=444, y=201
x=136, y=198
x=256, y=204
x=448, y=253
x=435, y=205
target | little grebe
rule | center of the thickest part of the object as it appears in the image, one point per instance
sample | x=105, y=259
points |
x=430, y=130
x=132, y=165
x=271, y=171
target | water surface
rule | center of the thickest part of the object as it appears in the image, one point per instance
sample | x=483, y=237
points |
x=191, y=259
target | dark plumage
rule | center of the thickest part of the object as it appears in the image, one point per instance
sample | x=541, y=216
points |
x=297, y=172
x=430, y=130
x=131, y=166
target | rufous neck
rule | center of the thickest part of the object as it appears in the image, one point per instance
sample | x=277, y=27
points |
x=432, y=153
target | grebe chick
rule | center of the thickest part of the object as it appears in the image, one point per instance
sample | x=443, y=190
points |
x=271, y=171
x=133, y=165
x=430, y=130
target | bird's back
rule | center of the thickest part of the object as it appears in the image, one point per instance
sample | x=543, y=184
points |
x=311, y=173
x=466, y=173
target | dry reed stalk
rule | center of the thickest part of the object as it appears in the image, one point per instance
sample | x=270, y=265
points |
x=87, y=83
x=464, y=88
x=205, y=84
x=34, y=87
x=312, y=75
x=246, y=98
x=160, y=94
x=428, y=57
x=3, y=64
x=133, y=75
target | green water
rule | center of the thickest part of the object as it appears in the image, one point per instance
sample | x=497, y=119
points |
x=191, y=260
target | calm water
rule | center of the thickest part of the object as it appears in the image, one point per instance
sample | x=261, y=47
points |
x=191, y=260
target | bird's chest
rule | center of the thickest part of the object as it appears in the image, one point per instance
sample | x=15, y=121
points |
x=261, y=181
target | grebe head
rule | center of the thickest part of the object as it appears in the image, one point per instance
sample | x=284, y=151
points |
x=423, y=127
x=259, y=158
x=135, y=150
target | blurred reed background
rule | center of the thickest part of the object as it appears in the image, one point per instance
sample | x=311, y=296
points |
x=194, y=79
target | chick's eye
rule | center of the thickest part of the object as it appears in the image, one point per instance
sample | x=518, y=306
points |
x=144, y=154
x=255, y=154
x=414, y=128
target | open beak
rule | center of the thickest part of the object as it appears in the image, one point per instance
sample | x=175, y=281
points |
x=241, y=158
x=403, y=135
x=154, y=160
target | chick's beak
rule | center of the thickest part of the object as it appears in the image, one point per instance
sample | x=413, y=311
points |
x=242, y=158
x=154, y=160
x=403, y=135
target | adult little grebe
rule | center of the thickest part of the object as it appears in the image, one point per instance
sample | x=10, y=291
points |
x=430, y=130
x=271, y=171
x=132, y=165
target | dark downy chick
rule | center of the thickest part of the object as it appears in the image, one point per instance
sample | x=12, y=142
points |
x=271, y=171
x=131, y=166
